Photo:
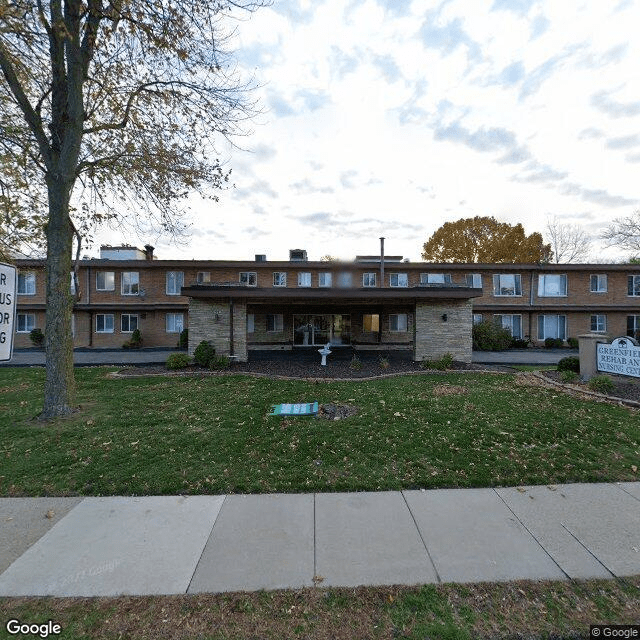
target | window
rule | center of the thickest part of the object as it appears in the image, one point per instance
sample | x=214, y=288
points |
x=128, y=322
x=369, y=279
x=477, y=318
x=511, y=322
x=507, y=284
x=249, y=278
x=633, y=326
x=27, y=284
x=552, y=326
x=104, y=323
x=175, y=322
x=73, y=284
x=345, y=279
x=105, y=281
x=324, y=279
x=599, y=324
x=175, y=282
x=435, y=278
x=279, y=279
x=552, y=285
x=633, y=286
x=274, y=322
x=26, y=322
x=251, y=323
x=304, y=279
x=474, y=280
x=130, y=283
x=598, y=284
x=398, y=280
x=371, y=323
x=398, y=322
x=203, y=277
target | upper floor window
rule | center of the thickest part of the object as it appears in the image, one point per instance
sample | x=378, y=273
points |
x=324, y=279
x=203, y=277
x=369, y=279
x=474, y=280
x=507, y=284
x=435, y=278
x=130, y=285
x=552, y=285
x=27, y=284
x=105, y=281
x=598, y=283
x=175, y=282
x=633, y=286
x=398, y=280
x=249, y=278
x=304, y=279
x=345, y=279
x=279, y=279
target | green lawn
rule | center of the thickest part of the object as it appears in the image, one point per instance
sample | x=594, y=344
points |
x=181, y=435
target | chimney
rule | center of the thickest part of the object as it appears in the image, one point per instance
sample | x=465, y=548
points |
x=148, y=250
x=382, y=262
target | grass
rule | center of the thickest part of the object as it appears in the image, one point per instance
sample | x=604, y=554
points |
x=532, y=610
x=212, y=435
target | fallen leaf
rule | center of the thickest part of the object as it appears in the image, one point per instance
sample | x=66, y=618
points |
x=634, y=468
x=50, y=514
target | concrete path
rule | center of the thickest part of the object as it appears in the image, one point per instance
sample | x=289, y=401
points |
x=197, y=544
x=523, y=356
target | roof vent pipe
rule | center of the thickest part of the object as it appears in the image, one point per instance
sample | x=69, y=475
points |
x=382, y=262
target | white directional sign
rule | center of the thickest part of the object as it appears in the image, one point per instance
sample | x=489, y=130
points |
x=8, y=287
x=622, y=356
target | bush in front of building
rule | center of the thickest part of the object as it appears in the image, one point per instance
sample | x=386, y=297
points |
x=178, y=361
x=219, y=362
x=520, y=343
x=37, y=337
x=356, y=363
x=601, y=384
x=441, y=364
x=572, y=363
x=553, y=343
x=568, y=376
x=573, y=343
x=135, y=342
x=203, y=354
x=183, y=340
x=489, y=336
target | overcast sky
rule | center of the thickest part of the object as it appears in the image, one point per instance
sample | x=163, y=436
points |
x=391, y=117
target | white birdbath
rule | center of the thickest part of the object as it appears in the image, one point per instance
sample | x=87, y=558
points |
x=324, y=352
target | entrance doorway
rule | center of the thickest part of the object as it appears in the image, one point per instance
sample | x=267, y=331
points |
x=317, y=330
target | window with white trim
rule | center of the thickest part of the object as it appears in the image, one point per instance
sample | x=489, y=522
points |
x=397, y=322
x=552, y=326
x=598, y=323
x=633, y=326
x=435, y=278
x=175, y=282
x=552, y=285
x=104, y=323
x=248, y=278
x=370, y=323
x=26, y=322
x=507, y=284
x=130, y=283
x=598, y=283
x=175, y=322
x=105, y=281
x=27, y=284
x=203, y=277
x=304, y=279
x=251, y=323
x=324, y=279
x=345, y=279
x=279, y=279
x=398, y=280
x=477, y=318
x=474, y=280
x=274, y=323
x=513, y=323
x=128, y=322
x=633, y=286
x=369, y=279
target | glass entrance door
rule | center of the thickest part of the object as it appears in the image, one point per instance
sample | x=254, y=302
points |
x=316, y=330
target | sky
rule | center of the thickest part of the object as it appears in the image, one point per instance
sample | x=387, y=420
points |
x=391, y=117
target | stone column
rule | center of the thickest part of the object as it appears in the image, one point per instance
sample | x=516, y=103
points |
x=587, y=353
x=435, y=336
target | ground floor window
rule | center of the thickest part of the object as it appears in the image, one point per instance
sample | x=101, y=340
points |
x=598, y=323
x=128, y=322
x=104, y=323
x=371, y=323
x=175, y=322
x=315, y=330
x=511, y=322
x=397, y=322
x=251, y=323
x=274, y=322
x=552, y=326
x=477, y=318
x=26, y=322
x=633, y=326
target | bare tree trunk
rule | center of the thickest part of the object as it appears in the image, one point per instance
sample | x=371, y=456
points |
x=59, y=390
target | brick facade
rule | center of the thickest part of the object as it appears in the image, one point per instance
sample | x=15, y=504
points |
x=441, y=328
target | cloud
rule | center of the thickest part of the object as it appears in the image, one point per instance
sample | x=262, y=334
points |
x=590, y=133
x=317, y=219
x=279, y=106
x=521, y=7
x=633, y=157
x=259, y=187
x=541, y=173
x=302, y=100
x=449, y=37
x=515, y=156
x=254, y=232
x=312, y=100
x=263, y=152
x=539, y=25
x=595, y=196
x=409, y=112
x=624, y=142
x=306, y=186
x=294, y=11
x=396, y=7
x=603, y=102
x=346, y=179
x=610, y=56
x=543, y=72
x=509, y=76
x=387, y=65
x=342, y=63
x=492, y=139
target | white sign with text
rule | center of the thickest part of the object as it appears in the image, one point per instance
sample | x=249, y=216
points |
x=8, y=286
x=622, y=356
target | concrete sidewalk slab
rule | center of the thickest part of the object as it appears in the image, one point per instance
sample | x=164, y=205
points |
x=258, y=542
x=113, y=546
x=632, y=488
x=602, y=518
x=473, y=537
x=23, y=521
x=368, y=538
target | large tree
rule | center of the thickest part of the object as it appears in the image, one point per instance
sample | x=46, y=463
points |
x=109, y=110
x=569, y=243
x=484, y=239
x=624, y=233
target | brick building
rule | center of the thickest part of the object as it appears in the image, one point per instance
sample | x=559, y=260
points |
x=242, y=306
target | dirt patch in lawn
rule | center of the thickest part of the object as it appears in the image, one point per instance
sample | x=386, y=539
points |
x=448, y=390
x=333, y=411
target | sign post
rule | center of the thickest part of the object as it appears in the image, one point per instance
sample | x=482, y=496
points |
x=8, y=287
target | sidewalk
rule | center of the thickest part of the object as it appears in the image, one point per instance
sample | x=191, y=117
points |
x=194, y=544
